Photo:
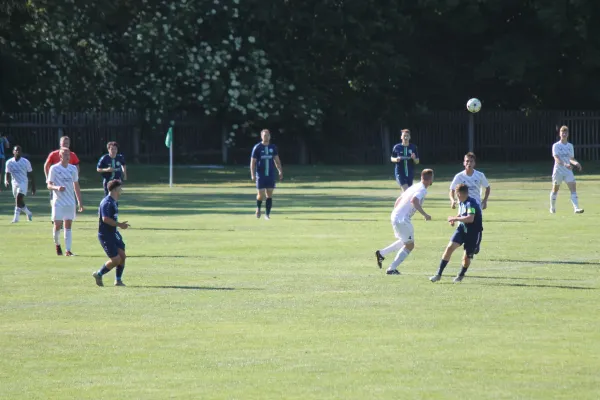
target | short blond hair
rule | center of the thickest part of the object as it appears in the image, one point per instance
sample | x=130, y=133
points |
x=564, y=128
x=427, y=174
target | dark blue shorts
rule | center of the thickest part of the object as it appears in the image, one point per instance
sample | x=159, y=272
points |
x=404, y=180
x=111, y=244
x=265, y=182
x=470, y=240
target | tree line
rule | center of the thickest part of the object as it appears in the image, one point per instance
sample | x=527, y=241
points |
x=297, y=65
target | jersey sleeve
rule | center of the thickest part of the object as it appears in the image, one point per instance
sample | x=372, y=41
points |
x=571, y=151
x=255, y=152
x=122, y=157
x=106, y=210
x=454, y=182
x=29, y=169
x=50, y=175
x=395, y=151
x=471, y=209
x=554, y=150
x=102, y=163
x=420, y=195
x=8, y=167
x=75, y=175
x=275, y=151
x=484, y=181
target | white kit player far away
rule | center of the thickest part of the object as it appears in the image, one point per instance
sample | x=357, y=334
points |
x=18, y=168
x=564, y=161
x=475, y=182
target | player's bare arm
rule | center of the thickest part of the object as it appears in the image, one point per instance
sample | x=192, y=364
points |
x=485, y=197
x=467, y=219
x=52, y=186
x=575, y=163
x=7, y=178
x=559, y=162
x=78, y=195
x=32, y=180
x=416, y=203
x=253, y=168
x=112, y=222
x=47, y=166
x=124, y=172
x=414, y=158
x=278, y=166
x=452, y=195
x=103, y=170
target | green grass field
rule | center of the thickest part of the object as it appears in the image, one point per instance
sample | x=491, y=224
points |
x=220, y=305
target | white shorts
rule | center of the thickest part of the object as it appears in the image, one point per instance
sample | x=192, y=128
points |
x=19, y=188
x=404, y=231
x=559, y=177
x=63, y=213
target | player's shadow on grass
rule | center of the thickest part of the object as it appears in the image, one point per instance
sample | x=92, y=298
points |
x=184, y=287
x=539, y=286
x=547, y=262
x=514, y=278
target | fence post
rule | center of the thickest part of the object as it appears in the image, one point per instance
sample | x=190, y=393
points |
x=224, y=147
x=385, y=138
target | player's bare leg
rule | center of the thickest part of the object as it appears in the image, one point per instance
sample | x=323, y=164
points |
x=56, y=227
x=445, y=259
x=269, y=202
x=404, y=187
x=68, y=238
x=466, y=262
x=400, y=257
x=574, y=199
x=17, y=208
x=120, y=268
x=260, y=196
x=110, y=264
x=21, y=204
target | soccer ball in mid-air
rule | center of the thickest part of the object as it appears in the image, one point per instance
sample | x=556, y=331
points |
x=474, y=105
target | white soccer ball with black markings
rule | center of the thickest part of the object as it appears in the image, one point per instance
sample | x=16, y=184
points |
x=474, y=105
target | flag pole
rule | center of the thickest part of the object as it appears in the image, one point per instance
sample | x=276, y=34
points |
x=171, y=156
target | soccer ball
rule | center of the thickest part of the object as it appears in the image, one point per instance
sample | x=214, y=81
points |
x=474, y=105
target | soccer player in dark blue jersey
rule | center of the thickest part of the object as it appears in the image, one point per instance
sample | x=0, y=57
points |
x=405, y=156
x=467, y=234
x=110, y=239
x=263, y=161
x=112, y=166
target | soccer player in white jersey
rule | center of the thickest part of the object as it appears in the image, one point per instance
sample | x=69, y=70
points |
x=405, y=207
x=18, y=174
x=564, y=160
x=63, y=180
x=474, y=179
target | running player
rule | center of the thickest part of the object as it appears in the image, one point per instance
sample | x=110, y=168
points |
x=406, y=205
x=468, y=233
x=564, y=160
x=263, y=161
x=19, y=173
x=405, y=156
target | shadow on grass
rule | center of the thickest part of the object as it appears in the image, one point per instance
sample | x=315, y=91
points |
x=190, y=287
x=547, y=262
x=538, y=286
x=520, y=278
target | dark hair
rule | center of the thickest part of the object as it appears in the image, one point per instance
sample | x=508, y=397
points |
x=462, y=188
x=471, y=155
x=112, y=144
x=112, y=185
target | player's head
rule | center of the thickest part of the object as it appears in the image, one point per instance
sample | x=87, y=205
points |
x=564, y=133
x=405, y=135
x=114, y=188
x=65, y=141
x=265, y=135
x=462, y=191
x=65, y=155
x=113, y=148
x=469, y=161
x=17, y=152
x=427, y=177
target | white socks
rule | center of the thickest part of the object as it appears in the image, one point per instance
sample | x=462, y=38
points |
x=26, y=210
x=401, y=256
x=17, y=213
x=575, y=200
x=55, y=235
x=553, y=196
x=68, y=239
x=397, y=245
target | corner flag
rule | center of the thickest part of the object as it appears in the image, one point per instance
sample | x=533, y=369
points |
x=169, y=144
x=169, y=138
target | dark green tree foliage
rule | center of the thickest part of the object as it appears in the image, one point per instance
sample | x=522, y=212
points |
x=298, y=62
